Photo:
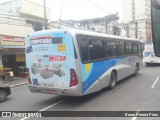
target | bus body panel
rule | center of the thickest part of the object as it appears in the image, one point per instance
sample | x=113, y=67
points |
x=92, y=76
x=50, y=61
x=69, y=91
x=124, y=66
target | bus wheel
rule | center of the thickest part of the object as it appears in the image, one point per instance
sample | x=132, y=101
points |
x=113, y=80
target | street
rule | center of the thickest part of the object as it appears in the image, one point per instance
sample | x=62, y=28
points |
x=135, y=93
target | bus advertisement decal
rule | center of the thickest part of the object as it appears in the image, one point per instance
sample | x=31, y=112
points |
x=48, y=71
x=41, y=40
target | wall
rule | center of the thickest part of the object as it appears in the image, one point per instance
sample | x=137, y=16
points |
x=140, y=7
x=35, y=10
x=127, y=10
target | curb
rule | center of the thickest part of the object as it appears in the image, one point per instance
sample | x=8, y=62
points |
x=16, y=85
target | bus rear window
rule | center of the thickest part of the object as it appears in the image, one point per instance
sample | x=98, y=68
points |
x=57, y=40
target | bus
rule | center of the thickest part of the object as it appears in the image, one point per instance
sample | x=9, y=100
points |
x=155, y=24
x=76, y=62
x=149, y=55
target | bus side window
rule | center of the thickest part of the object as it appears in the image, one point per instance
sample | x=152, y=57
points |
x=111, y=49
x=108, y=52
x=135, y=48
x=96, y=49
x=118, y=48
x=140, y=50
x=122, y=48
x=128, y=48
x=114, y=48
x=83, y=45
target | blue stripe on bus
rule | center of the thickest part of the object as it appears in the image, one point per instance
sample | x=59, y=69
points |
x=98, y=69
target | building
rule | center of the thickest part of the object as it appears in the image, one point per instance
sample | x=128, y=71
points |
x=140, y=29
x=106, y=24
x=17, y=19
x=135, y=9
x=136, y=16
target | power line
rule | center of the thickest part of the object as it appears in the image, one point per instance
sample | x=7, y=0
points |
x=98, y=6
x=104, y=10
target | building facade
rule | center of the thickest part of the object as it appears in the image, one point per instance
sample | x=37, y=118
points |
x=106, y=24
x=18, y=18
x=140, y=29
x=135, y=9
x=136, y=16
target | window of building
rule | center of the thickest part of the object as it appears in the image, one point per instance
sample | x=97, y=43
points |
x=127, y=27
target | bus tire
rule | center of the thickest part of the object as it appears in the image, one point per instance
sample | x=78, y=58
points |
x=136, y=69
x=113, y=80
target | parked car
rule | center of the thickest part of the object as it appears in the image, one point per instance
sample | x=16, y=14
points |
x=5, y=90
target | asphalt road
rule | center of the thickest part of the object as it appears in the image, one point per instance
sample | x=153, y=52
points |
x=139, y=93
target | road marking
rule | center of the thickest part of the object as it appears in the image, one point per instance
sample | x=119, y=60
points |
x=17, y=85
x=155, y=82
x=44, y=109
x=134, y=118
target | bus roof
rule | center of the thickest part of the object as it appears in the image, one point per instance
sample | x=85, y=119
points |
x=85, y=32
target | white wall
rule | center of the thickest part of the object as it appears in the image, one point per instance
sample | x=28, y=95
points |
x=140, y=10
x=127, y=10
x=140, y=7
x=33, y=9
x=13, y=30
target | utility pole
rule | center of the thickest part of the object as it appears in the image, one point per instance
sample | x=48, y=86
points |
x=45, y=18
x=136, y=30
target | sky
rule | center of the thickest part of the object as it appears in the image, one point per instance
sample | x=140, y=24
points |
x=80, y=9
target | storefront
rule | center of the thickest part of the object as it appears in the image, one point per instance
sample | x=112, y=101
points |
x=12, y=54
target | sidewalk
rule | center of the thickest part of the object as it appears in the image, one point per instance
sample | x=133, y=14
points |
x=17, y=81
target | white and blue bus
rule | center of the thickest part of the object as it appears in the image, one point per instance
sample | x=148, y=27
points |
x=77, y=63
x=149, y=56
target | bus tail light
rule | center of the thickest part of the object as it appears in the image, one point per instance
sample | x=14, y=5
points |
x=29, y=80
x=74, y=79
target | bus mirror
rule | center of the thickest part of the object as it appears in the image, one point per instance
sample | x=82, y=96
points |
x=155, y=19
x=158, y=2
x=155, y=4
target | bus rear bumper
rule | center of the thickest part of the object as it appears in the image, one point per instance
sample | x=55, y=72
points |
x=70, y=91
